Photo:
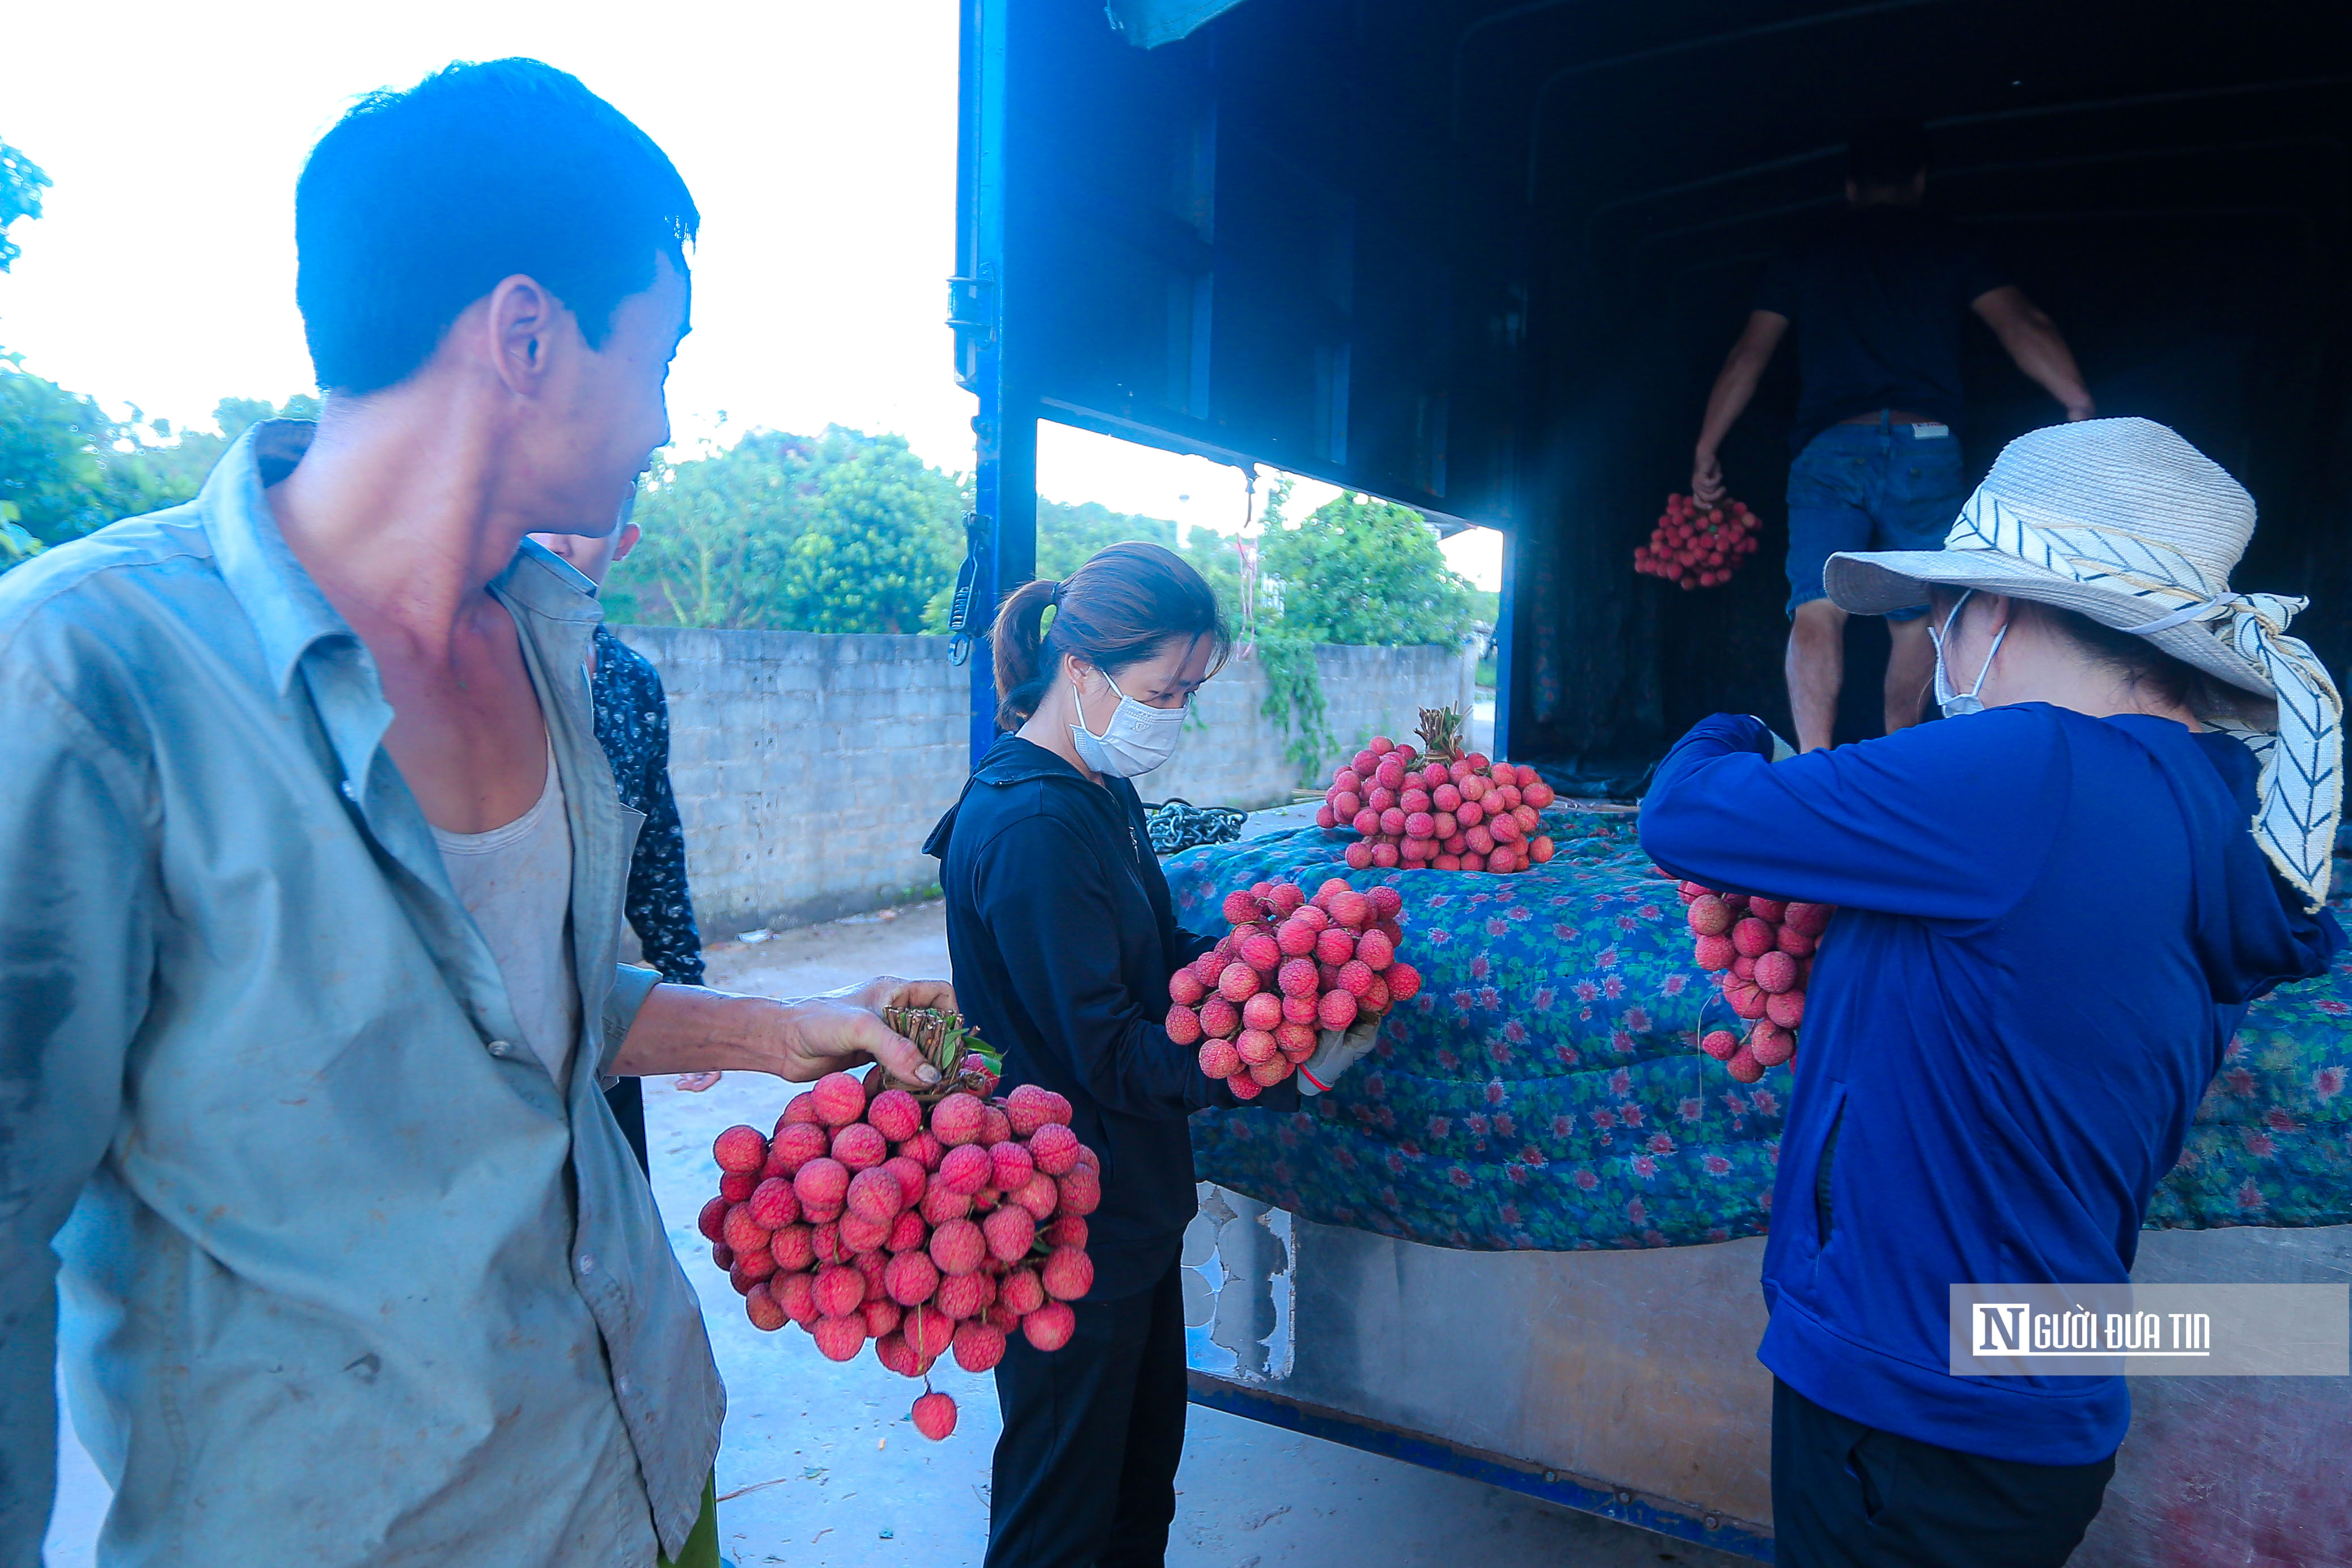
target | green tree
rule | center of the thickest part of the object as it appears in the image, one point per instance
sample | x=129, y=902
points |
x=1069, y=534
x=1366, y=571
x=21, y=184
x=837, y=532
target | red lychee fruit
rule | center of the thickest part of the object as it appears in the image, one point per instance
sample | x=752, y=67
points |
x=1721, y=1044
x=1184, y=988
x=1240, y=908
x=1021, y=1291
x=1268, y=1073
x=1775, y=972
x=957, y=1247
x=1786, y=1009
x=908, y=1232
x=1771, y=1045
x=1244, y=1086
x=929, y=1332
x=965, y=1296
x=1261, y=953
x=757, y=1264
x=1012, y=1166
x=1285, y=898
x=840, y=1099
x=881, y=1315
x=772, y=1205
x=1219, y=1058
x=1316, y=916
x=1744, y=1065
x=1773, y=910
x=1746, y=1000
x=979, y=1346
x=1296, y=1041
x=911, y=1177
x=1355, y=978
x=1262, y=1011
x=794, y=1247
x=940, y=1205
x=1540, y=849
x=839, y=1289
x=1239, y=983
x=1183, y=1025
x=1297, y=937
x=1714, y=952
x=825, y=1241
x=741, y=1231
x=1794, y=942
x=800, y=1111
x=1220, y=1020
x=739, y=1151
x=995, y=1126
x=1206, y=969
x=896, y=1114
x=1068, y=1231
x=761, y=1309
x=1374, y=951
x=822, y=1185
x=1050, y=1326
x=840, y=1338
x=1351, y=910
x=966, y=1169
x=737, y=1186
x=1053, y=1149
x=891, y=1351
x=1081, y=1191
x=1255, y=1046
x=794, y=1145
x=876, y=1196
x=1301, y=1009
x=910, y=1277
x=1403, y=981
x=712, y=1221
x=925, y=1150
x=1009, y=1233
x=1708, y=915
x=1752, y=937
x=1335, y=946
x=860, y=1147
x=1810, y=919
x=935, y=1415
x=958, y=1120
x=1338, y=1009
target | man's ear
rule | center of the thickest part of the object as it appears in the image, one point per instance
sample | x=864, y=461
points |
x=526, y=327
x=626, y=540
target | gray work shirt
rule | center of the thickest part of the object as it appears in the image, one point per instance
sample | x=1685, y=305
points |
x=348, y=1278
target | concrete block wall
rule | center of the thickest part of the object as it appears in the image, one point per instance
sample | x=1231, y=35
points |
x=810, y=767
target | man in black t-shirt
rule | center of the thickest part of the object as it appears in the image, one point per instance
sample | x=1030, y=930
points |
x=1880, y=299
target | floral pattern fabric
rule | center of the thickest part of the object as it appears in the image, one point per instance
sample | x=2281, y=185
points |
x=1545, y=1089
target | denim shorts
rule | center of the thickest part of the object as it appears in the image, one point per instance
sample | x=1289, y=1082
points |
x=1869, y=486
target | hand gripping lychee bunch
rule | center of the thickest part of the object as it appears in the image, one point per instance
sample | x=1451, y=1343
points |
x=1446, y=808
x=1760, y=952
x=929, y=1230
x=1291, y=967
x=1695, y=546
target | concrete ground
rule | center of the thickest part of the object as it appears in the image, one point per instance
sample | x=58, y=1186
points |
x=806, y=1439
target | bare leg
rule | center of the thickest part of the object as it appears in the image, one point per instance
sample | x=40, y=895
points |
x=1910, y=666
x=1816, y=668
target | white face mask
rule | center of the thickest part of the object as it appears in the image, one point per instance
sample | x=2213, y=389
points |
x=1955, y=704
x=1138, y=739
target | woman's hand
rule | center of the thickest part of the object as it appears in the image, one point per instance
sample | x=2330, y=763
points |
x=690, y=1028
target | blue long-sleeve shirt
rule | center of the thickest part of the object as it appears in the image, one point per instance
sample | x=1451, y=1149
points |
x=2049, y=927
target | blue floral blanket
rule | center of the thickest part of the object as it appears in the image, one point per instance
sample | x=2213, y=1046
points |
x=1545, y=1091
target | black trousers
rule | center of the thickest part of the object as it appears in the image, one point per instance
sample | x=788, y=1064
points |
x=627, y=1099
x=1849, y=1496
x=1085, y=1471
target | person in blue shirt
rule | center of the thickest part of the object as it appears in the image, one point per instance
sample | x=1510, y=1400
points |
x=1880, y=297
x=1061, y=935
x=2052, y=917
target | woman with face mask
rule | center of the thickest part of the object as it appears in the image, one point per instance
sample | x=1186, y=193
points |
x=2053, y=914
x=1063, y=937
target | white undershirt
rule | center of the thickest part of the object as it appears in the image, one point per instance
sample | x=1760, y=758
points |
x=516, y=881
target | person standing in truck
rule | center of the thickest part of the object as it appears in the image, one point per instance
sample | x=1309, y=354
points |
x=633, y=727
x=2053, y=912
x=1879, y=301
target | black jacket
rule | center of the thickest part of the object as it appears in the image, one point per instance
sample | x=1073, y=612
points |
x=1063, y=936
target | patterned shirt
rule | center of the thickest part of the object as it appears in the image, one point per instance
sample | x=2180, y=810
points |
x=632, y=726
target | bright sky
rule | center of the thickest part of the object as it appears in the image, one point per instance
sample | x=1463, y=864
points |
x=819, y=141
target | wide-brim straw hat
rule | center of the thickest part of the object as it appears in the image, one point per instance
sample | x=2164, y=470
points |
x=2122, y=521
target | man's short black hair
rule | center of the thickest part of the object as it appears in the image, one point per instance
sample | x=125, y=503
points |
x=1886, y=152
x=419, y=203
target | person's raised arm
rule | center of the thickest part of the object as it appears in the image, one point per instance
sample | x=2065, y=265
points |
x=690, y=1028
x=1735, y=386
x=78, y=907
x=1943, y=821
x=1053, y=934
x=2034, y=340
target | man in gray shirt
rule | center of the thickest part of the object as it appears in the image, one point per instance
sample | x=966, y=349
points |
x=356, y=1267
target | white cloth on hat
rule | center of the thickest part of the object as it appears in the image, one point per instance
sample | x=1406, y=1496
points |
x=2123, y=522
